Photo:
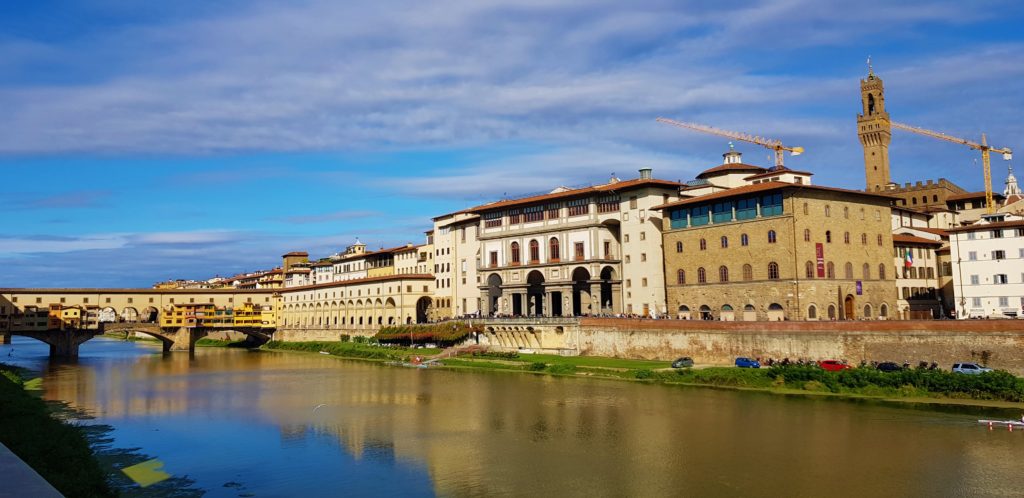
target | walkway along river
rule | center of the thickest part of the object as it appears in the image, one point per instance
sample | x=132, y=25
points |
x=236, y=423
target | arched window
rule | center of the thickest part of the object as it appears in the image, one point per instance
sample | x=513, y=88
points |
x=553, y=249
x=846, y=212
x=883, y=310
x=748, y=272
x=812, y=312
x=703, y=245
x=702, y=276
x=867, y=271
x=848, y=271
x=867, y=311
x=807, y=235
x=881, y=271
x=913, y=200
x=830, y=270
x=679, y=247
x=879, y=239
x=846, y=237
x=515, y=253
x=773, y=271
x=806, y=210
x=725, y=242
x=771, y=236
x=862, y=213
x=744, y=240
x=681, y=277
x=534, y=251
x=828, y=236
x=924, y=199
x=809, y=267
x=831, y=312
x=828, y=211
x=723, y=274
x=864, y=239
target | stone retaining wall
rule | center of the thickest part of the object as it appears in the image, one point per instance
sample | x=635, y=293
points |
x=708, y=342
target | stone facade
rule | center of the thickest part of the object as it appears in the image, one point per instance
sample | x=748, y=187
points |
x=766, y=267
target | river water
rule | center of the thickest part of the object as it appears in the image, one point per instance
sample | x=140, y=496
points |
x=227, y=422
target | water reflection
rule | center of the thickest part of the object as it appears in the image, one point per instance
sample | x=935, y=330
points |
x=237, y=422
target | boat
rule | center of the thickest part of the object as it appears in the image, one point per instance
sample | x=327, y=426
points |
x=1009, y=424
x=324, y=352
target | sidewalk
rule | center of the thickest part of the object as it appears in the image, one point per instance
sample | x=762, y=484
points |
x=19, y=480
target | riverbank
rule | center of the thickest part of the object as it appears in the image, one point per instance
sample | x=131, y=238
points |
x=997, y=389
x=58, y=451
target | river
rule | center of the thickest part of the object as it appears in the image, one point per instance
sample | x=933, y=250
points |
x=228, y=422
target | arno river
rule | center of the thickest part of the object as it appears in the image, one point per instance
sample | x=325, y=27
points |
x=237, y=423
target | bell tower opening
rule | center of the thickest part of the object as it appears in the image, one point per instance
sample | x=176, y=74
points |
x=874, y=131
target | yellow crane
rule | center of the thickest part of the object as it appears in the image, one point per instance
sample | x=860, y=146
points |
x=769, y=143
x=984, y=147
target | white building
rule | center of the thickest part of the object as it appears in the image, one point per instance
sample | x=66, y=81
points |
x=988, y=266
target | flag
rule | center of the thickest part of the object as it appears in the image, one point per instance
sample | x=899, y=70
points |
x=909, y=261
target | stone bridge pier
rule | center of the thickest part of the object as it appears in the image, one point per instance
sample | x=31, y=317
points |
x=63, y=343
x=183, y=338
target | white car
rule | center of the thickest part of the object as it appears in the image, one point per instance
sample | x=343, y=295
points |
x=970, y=368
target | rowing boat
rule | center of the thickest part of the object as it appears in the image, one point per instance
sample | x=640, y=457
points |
x=1013, y=423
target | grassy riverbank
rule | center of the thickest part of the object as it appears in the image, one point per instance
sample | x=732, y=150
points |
x=352, y=350
x=56, y=450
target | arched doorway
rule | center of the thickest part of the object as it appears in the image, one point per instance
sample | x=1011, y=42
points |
x=581, y=302
x=149, y=315
x=749, y=313
x=535, y=293
x=848, y=308
x=130, y=315
x=684, y=312
x=423, y=306
x=705, y=312
x=607, y=304
x=776, y=313
x=727, y=314
x=493, y=293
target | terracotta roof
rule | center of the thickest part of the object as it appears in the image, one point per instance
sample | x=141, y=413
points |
x=765, y=187
x=773, y=172
x=579, y=192
x=122, y=290
x=972, y=195
x=731, y=168
x=935, y=209
x=296, y=253
x=936, y=231
x=979, y=227
x=900, y=238
x=469, y=219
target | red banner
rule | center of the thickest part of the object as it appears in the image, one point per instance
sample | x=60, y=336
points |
x=819, y=251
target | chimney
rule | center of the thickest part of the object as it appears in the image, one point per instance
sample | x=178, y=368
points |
x=645, y=173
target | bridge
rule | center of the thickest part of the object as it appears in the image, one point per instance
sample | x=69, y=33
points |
x=67, y=318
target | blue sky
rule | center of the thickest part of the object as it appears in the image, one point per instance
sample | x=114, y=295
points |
x=152, y=140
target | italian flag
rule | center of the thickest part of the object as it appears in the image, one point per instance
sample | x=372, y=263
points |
x=909, y=260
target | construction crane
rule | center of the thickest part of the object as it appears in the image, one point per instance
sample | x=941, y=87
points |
x=984, y=147
x=769, y=143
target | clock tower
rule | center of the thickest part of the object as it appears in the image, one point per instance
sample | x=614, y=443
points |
x=874, y=131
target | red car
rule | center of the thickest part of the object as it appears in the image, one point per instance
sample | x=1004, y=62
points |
x=833, y=365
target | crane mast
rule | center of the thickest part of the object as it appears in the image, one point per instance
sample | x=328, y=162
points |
x=768, y=143
x=984, y=147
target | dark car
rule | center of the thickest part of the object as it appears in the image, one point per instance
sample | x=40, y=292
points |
x=744, y=362
x=684, y=362
x=889, y=367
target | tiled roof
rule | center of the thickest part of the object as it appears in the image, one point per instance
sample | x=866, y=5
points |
x=979, y=227
x=972, y=195
x=936, y=231
x=731, y=168
x=765, y=187
x=900, y=238
x=296, y=253
x=579, y=192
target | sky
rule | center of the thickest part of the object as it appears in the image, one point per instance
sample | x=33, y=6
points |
x=143, y=141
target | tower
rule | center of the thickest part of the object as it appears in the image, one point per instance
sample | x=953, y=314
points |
x=874, y=131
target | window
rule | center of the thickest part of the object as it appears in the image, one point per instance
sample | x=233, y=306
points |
x=830, y=270
x=806, y=209
x=771, y=236
x=773, y=271
x=846, y=212
x=862, y=213
x=534, y=251
x=643, y=282
x=881, y=271
x=625, y=238
x=771, y=205
x=607, y=249
x=867, y=271
x=535, y=213
x=809, y=269
x=998, y=255
x=679, y=247
x=974, y=280
x=643, y=257
x=628, y=259
x=513, y=217
x=828, y=236
x=702, y=276
x=744, y=240
x=812, y=312
x=846, y=237
x=997, y=234
x=553, y=249
x=723, y=274
x=578, y=250
x=970, y=235
x=748, y=273
x=848, y=271
x=807, y=235
x=632, y=202
x=879, y=240
x=699, y=216
x=864, y=239
x=721, y=212
x=643, y=235
x=725, y=242
x=703, y=245
x=579, y=207
x=828, y=211
x=514, y=250
x=553, y=210
x=608, y=204
x=1004, y=301
x=746, y=209
x=681, y=277
x=999, y=278
x=491, y=220
x=972, y=256
x=976, y=302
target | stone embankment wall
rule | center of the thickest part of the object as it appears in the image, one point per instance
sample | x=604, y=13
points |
x=319, y=334
x=1000, y=342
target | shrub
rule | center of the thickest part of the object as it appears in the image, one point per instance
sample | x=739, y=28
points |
x=505, y=355
x=537, y=366
x=562, y=369
x=643, y=374
x=345, y=337
x=446, y=333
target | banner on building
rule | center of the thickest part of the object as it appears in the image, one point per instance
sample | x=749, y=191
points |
x=860, y=288
x=819, y=251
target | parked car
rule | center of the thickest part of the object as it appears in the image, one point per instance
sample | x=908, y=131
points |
x=970, y=368
x=889, y=366
x=684, y=362
x=833, y=365
x=744, y=362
